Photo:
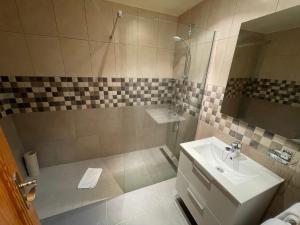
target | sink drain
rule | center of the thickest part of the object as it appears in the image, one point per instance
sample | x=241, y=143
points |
x=220, y=169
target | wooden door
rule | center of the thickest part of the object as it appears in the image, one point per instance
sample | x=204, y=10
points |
x=13, y=209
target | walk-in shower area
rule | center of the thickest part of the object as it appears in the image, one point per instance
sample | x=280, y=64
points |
x=118, y=91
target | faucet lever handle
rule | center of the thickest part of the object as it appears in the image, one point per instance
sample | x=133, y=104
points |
x=237, y=145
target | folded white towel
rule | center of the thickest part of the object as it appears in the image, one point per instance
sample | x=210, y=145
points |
x=90, y=178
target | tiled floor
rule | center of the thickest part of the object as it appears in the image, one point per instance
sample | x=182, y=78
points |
x=122, y=173
x=152, y=205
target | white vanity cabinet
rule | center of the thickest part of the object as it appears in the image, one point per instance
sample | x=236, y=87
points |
x=211, y=199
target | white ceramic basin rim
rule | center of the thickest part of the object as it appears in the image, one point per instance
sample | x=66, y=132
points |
x=242, y=177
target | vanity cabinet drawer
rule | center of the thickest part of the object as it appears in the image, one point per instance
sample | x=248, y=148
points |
x=194, y=202
x=223, y=206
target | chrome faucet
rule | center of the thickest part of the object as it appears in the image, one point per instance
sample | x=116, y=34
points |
x=234, y=149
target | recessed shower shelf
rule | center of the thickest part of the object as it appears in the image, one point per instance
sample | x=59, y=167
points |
x=164, y=115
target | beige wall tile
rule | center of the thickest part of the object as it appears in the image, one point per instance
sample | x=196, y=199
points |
x=76, y=56
x=147, y=31
x=37, y=16
x=127, y=30
x=126, y=60
x=247, y=10
x=99, y=19
x=46, y=55
x=70, y=17
x=221, y=16
x=221, y=59
x=103, y=58
x=179, y=60
x=14, y=54
x=283, y=4
x=166, y=30
x=199, y=63
x=146, y=61
x=9, y=18
x=164, y=66
x=216, y=61
x=200, y=14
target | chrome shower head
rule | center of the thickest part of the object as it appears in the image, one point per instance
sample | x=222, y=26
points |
x=177, y=38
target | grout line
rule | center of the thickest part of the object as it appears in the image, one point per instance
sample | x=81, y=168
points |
x=25, y=38
x=59, y=38
x=88, y=36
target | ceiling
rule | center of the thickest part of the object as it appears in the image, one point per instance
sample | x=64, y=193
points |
x=282, y=20
x=171, y=7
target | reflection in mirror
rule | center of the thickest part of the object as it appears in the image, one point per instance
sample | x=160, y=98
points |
x=264, y=80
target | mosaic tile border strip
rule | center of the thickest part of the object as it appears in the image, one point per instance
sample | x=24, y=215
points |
x=23, y=94
x=249, y=134
x=189, y=95
x=278, y=91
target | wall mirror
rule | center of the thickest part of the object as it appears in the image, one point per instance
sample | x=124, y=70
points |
x=263, y=87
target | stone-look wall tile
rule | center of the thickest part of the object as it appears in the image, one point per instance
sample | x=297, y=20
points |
x=9, y=18
x=221, y=16
x=147, y=57
x=76, y=56
x=46, y=55
x=14, y=54
x=199, y=61
x=164, y=65
x=71, y=18
x=126, y=60
x=147, y=31
x=215, y=71
x=103, y=58
x=45, y=127
x=37, y=17
x=127, y=29
x=76, y=24
x=100, y=17
x=166, y=30
x=86, y=122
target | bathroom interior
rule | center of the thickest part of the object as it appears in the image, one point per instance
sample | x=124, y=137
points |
x=184, y=112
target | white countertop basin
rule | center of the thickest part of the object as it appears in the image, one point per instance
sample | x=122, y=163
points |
x=241, y=177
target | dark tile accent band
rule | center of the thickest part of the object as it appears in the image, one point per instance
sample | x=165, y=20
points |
x=278, y=91
x=36, y=94
x=22, y=94
x=249, y=134
x=189, y=95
